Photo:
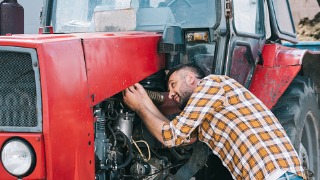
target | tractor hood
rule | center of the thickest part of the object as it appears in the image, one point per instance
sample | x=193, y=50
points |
x=107, y=62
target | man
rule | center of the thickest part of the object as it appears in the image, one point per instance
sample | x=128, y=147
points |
x=235, y=124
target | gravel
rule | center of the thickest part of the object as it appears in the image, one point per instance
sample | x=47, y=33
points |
x=309, y=30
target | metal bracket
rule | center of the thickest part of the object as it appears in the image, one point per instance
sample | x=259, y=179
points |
x=228, y=8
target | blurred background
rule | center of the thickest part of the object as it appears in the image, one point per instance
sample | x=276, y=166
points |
x=32, y=10
x=306, y=16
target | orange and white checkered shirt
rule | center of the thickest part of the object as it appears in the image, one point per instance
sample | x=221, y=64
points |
x=238, y=128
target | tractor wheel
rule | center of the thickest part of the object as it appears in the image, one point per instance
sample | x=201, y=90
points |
x=298, y=112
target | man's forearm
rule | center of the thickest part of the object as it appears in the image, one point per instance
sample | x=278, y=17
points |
x=153, y=109
x=138, y=100
x=153, y=122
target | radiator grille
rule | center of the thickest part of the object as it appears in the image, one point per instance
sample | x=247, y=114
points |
x=17, y=90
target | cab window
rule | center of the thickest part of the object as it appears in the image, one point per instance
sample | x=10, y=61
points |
x=246, y=16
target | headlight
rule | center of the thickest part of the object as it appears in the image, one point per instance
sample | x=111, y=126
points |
x=18, y=157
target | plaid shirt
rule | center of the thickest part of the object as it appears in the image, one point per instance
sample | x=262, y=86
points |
x=238, y=128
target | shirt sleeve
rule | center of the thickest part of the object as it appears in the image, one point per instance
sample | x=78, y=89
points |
x=207, y=96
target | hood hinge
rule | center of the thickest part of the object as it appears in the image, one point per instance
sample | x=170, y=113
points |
x=228, y=8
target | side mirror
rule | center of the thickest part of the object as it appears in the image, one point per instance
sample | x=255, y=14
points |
x=172, y=44
x=11, y=17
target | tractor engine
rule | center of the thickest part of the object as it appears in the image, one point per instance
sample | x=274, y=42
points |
x=120, y=147
x=124, y=148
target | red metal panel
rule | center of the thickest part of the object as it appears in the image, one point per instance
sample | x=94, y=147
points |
x=269, y=55
x=268, y=84
x=116, y=61
x=32, y=41
x=275, y=55
x=280, y=67
x=291, y=57
x=67, y=116
x=36, y=140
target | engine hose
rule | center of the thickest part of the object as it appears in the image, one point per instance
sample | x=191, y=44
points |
x=112, y=133
x=156, y=97
x=165, y=159
x=177, y=155
x=197, y=160
x=129, y=158
x=123, y=136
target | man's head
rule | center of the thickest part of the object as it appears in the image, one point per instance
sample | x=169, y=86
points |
x=182, y=80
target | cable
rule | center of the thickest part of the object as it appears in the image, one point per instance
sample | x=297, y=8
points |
x=111, y=131
x=128, y=160
x=149, y=153
x=140, y=152
x=124, y=137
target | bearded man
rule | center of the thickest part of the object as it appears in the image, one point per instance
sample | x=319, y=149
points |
x=235, y=124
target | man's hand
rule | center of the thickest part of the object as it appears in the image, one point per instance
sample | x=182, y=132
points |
x=141, y=90
x=137, y=99
x=144, y=95
x=133, y=97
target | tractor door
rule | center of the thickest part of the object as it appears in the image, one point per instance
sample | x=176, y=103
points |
x=247, y=37
x=281, y=22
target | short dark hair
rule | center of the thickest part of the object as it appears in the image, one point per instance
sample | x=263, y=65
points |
x=191, y=66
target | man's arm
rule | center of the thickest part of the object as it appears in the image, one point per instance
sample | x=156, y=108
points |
x=148, y=102
x=137, y=99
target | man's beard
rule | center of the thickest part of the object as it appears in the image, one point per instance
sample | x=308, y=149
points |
x=186, y=93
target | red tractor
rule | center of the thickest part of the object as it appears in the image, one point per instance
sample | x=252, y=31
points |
x=61, y=109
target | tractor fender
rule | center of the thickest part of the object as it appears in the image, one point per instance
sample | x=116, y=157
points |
x=311, y=68
x=280, y=65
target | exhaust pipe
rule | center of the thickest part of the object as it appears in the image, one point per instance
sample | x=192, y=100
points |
x=11, y=17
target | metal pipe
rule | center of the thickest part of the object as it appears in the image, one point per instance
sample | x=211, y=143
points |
x=156, y=97
x=11, y=17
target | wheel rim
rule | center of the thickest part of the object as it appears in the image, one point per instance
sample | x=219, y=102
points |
x=310, y=142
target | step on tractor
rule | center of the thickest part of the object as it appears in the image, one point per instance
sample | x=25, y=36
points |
x=62, y=115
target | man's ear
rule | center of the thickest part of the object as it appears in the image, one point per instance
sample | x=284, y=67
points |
x=191, y=78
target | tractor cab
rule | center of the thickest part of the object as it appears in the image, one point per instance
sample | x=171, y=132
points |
x=224, y=37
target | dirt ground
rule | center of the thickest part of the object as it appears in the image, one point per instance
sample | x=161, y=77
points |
x=309, y=30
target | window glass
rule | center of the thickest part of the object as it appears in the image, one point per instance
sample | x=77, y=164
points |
x=117, y=15
x=246, y=16
x=284, y=20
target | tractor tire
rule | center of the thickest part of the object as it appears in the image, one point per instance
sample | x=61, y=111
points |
x=298, y=112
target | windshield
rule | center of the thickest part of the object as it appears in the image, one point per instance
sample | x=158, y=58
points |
x=130, y=15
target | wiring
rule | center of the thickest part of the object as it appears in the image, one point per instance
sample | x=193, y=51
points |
x=142, y=155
